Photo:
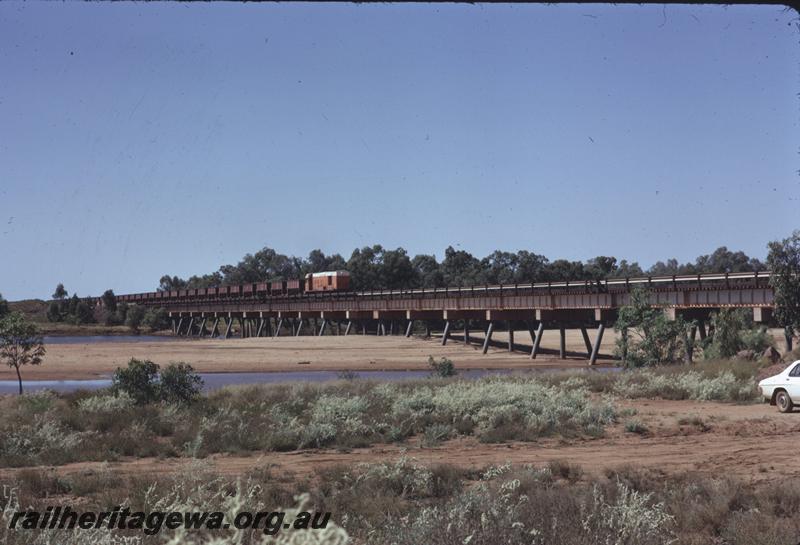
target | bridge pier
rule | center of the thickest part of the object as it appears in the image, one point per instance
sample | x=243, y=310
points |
x=537, y=340
x=260, y=327
x=562, y=346
x=446, y=332
x=409, y=328
x=510, y=327
x=202, y=330
x=228, y=328
x=531, y=332
x=347, y=329
x=596, y=349
x=214, y=331
x=586, y=341
x=466, y=332
x=689, y=345
x=322, y=327
x=488, y=337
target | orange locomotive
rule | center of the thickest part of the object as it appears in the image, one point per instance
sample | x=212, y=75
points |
x=327, y=281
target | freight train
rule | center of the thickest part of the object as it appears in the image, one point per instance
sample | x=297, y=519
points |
x=313, y=283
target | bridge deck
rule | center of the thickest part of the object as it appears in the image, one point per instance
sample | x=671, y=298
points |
x=678, y=292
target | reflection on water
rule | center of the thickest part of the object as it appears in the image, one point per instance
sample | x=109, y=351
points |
x=213, y=381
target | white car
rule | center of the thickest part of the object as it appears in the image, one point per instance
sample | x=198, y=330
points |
x=783, y=390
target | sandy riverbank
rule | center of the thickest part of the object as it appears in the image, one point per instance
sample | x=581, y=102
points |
x=329, y=353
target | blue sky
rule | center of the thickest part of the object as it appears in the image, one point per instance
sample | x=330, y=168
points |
x=143, y=139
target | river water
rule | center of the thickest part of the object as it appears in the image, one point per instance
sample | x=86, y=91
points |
x=214, y=381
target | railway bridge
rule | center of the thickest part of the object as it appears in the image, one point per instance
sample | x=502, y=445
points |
x=584, y=305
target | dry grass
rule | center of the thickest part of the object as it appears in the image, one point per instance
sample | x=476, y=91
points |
x=401, y=501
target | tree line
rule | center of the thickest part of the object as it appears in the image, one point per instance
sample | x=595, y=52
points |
x=78, y=311
x=375, y=267
x=647, y=337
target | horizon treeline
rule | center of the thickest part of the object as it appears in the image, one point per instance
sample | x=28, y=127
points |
x=376, y=267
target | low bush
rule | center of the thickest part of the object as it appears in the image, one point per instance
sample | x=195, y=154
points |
x=442, y=368
x=403, y=502
x=635, y=426
x=179, y=384
x=139, y=380
x=694, y=421
x=144, y=382
x=44, y=440
x=435, y=434
x=734, y=331
x=138, y=418
x=686, y=385
x=56, y=428
x=106, y=403
x=564, y=470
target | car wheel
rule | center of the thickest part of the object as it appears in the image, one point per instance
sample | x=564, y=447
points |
x=784, y=402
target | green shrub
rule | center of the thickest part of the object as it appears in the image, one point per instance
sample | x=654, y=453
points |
x=734, y=332
x=38, y=402
x=565, y=470
x=685, y=385
x=142, y=382
x=41, y=483
x=435, y=434
x=179, y=384
x=156, y=319
x=635, y=426
x=106, y=403
x=442, y=368
x=502, y=408
x=45, y=440
x=134, y=317
x=726, y=342
x=648, y=337
x=139, y=381
x=694, y=421
x=756, y=339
